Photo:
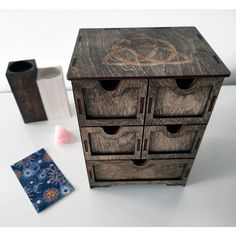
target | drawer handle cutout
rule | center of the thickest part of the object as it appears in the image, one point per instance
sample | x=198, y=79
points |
x=109, y=85
x=174, y=128
x=111, y=129
x=139, y=162
x=185, y=83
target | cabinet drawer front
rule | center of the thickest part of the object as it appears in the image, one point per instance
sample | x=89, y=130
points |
x=176, y=101
x=138, y=170
x=110, y=102
x=172, y=141
x=111, y=142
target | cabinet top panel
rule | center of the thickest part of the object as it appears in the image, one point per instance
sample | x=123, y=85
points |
x=143, y=53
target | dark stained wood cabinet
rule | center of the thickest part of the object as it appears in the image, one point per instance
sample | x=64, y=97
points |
x=143, y=98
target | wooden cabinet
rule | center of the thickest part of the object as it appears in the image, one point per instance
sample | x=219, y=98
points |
x=143, y=98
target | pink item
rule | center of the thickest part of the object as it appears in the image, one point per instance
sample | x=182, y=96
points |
x=63, y=136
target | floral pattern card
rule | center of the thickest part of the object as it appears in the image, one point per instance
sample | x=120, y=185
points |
x=42, y=180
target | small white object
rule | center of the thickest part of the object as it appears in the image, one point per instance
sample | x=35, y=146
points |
x=52, y=90
x=38, y=202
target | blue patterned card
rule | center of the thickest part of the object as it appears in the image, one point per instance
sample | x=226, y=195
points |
x=42, y=180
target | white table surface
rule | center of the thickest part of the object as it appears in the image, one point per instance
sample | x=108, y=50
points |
x=209, y=198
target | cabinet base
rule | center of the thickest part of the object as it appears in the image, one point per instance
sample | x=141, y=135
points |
x=115, y=183
x=141, y=172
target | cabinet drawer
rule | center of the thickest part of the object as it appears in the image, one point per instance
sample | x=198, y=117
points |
x=172, y=141
x=102, y=173
x=111, y=142
x=110, y=102
x=179, y=101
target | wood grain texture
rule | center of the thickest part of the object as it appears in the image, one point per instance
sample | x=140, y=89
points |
x=21, y=76
x=111, y=142
x=143, y=52
x=170, y=104
x=115, y=103
x=120, y=172
x=143, y=97
x=172, y=141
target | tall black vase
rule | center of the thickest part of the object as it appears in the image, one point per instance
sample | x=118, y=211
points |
x=22, y=77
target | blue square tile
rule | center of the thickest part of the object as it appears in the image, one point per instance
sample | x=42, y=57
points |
x=42, y=180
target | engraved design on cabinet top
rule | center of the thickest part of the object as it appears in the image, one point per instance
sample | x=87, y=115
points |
x=144, y=50
x=143, y=53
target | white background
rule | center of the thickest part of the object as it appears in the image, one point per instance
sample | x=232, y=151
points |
x=49, y=35
x=208, y=199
